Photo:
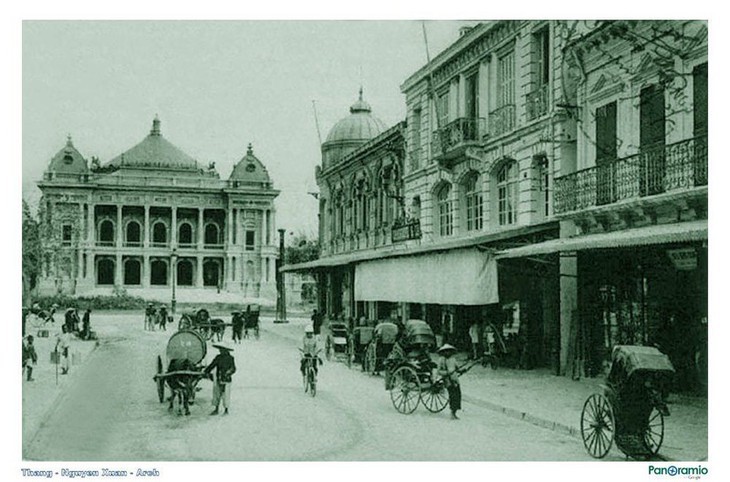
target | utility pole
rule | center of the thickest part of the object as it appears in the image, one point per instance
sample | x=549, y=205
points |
x=280, y=287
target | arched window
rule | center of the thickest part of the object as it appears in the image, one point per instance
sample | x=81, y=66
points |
x=473, y=202
x=133, y=233
x=211, y=233
x=158, y=272
x=106, y=232
x=507, y=183
x=185, y=234
x=159, y=233
x=105, y=271
x=445, y=210
x=132, y=272
x=184, y=272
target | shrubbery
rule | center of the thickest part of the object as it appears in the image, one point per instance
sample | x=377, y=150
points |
x=120, y=300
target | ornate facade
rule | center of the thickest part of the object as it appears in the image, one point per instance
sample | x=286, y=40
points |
x=153, y=221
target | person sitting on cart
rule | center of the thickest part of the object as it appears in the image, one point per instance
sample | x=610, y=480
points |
x=309, y=349
x=449, y=372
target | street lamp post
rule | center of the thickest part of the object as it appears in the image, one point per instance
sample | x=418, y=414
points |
x=173, y=267
x=280, y=288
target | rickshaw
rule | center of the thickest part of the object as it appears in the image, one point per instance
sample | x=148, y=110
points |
x=201, y=322
x=361, y=338
x=409, y=371
x=251, y=321
x=384, y=337
x=631, y=407
x=338, y=343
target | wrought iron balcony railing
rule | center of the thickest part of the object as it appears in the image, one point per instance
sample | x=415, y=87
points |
x=502, y=120
x=404, y=229
x=537, y=103
x=458, y=133
x=681, y=165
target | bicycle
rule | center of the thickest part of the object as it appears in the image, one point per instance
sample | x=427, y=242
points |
x=309, y=378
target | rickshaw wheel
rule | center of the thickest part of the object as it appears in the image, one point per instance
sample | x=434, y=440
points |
x=654, y=431
x=405, y=390
x=160, y=381
x=372, y=359
x=597, y=425
x=435, y=398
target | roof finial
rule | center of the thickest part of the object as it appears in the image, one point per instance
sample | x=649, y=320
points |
x=360, y=92
x=155, y=126
x=69, y=143
x=249, y=151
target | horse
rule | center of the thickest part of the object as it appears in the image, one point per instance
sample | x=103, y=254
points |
x=218, y=327
x=182, y=385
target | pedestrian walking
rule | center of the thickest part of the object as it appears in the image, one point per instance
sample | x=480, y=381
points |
x=474, y=337
x=316, y=321
x=86, y=325
x=237, y=326
x=225, y=366
x=30, y=357
x=62, y=348
x=162, y=317
x=450, y=373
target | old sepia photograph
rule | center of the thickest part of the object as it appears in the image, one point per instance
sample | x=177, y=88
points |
x=364, y=241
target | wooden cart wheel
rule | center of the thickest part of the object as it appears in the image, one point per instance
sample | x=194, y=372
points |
x=371, y=357
x=654, y=431
x=597, y=425
x=160, y=381
x=435, y=398
x=405, y=390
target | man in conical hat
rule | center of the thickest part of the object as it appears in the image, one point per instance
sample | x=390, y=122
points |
x=450, y=373
x=225, y=366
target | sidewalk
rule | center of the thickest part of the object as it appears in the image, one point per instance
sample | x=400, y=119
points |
x=556, y=403
x=41, y=395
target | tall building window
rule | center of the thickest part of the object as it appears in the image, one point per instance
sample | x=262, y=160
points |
x=250, y=240
x=506, y=80
x=541, y=57
x=134, y=237
x=106, y=232
x=105, y=271
x=211, y=234
x=473, y=202
x=185, y=236
x=652, y=138
x=415, y=153
x=159, y=233
x=445, y=210
x=442, y=108
x=699, y=94
x=66, y=235
x=471, y=96
x=507, y=194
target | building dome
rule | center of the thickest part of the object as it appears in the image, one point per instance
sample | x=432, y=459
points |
x=250, y=170
x=351, y=132
x=360, y=125
x=155, y=152
x=68, y=161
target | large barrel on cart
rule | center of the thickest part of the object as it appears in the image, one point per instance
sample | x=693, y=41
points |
x=631, y=408
x=185, y=345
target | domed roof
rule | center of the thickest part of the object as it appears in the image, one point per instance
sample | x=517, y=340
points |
x=250, y=169
x=155, y=151
x=68, y=161
x=360, y=125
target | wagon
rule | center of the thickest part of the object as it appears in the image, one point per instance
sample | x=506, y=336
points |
x=410, y=373
x=185, y=352
x=201, y=322
x=384, y=337
x=631, y=407
x=251, y=321
x=338, y=343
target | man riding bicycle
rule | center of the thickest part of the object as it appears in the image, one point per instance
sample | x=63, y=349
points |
x=309, y=349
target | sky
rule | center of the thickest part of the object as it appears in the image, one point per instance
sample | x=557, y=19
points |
x=216, y=86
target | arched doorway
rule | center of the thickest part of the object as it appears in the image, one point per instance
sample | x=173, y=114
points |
x=211, y=273
x=105, y=271
x=184, y=272
x=106, y=232
x=132, y=272
x=134, y=233
x=158, y=272
x=185, y=235
x=159, y=233
x=211, y=235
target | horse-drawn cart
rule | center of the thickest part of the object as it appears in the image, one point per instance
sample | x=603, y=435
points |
x=631, y=407
x=185, y=352
x=201, y=322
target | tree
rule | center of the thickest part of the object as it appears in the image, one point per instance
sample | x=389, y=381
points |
x=31, y=250
x=302, y=249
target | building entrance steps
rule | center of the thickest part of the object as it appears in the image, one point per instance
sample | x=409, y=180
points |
x=555, y=402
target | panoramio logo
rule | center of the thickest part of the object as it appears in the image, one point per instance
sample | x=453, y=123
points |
x=673, y=470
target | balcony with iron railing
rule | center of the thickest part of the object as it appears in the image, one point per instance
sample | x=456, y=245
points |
x=451, y=140
x=662, y=169
x=537, y=103
x=502, y=120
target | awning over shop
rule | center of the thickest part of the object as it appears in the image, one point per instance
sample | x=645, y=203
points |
x=647, y=235
x=455, y=277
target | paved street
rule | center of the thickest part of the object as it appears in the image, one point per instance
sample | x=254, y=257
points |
x=110, y=412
